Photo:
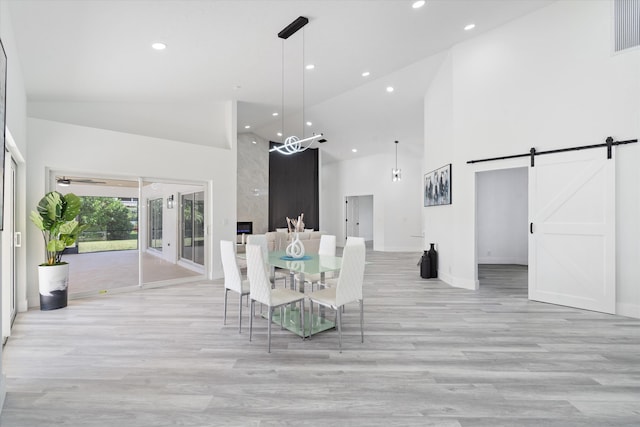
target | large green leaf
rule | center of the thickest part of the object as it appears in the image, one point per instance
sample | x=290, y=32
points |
x=72, y=208
x=68, y=227
x=56, y=245
x=37, y=220
x=50, y=208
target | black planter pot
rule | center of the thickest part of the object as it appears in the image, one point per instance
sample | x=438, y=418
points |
x=57, y=299
x=53, y=282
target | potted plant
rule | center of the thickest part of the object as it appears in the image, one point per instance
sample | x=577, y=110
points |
x=56, y=218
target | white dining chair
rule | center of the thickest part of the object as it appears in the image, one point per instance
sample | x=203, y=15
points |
x=232, y=278
x=348, y=287
x=352, y=240
x=327, y=247
x=261, y=240
x=262, y=292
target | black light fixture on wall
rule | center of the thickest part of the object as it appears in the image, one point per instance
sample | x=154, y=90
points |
x=170, y=202
x=293, y=144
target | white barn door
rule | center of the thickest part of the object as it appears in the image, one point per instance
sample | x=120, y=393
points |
x=572, y=230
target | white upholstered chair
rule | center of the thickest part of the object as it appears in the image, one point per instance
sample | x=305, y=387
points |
x=351, y=240
x=262, y=292
x=327, y=247
x=348, y=286
x=261, y=240
x=232, y=278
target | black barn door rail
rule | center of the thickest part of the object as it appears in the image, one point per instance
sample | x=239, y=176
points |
x=533, y=153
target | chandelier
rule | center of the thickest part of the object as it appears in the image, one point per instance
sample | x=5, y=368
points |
x=293, y=144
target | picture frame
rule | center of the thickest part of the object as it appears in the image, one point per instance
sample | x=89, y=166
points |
x=3, y=118
x=437, y=186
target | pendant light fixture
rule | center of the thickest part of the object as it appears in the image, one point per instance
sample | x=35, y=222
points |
x=396, y=174
x=293, y=144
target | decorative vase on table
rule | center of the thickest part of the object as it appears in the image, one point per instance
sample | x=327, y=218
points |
x=295, y=249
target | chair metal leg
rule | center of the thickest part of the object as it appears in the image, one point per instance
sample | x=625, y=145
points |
x=281, y=318
x=362, y=320
x=339, y=329
x=302, y=317
x=224, y=321
x=252, y=311
x=310, y=317
x=240, y=315
x=269, y=327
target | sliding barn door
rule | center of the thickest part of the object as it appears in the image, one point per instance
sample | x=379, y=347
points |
x=572, y=230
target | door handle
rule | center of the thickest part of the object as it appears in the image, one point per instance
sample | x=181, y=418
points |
x=531, y=227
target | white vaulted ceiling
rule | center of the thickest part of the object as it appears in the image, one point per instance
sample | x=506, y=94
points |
x=90, y=62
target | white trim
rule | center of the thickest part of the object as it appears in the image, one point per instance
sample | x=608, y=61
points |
x=629, y=310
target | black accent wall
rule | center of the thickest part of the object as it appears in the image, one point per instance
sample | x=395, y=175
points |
x=293, y=188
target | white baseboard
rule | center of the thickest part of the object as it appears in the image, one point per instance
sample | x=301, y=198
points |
x=458, y=282
x=502, y=260
x=3, y=390
x=628, y=310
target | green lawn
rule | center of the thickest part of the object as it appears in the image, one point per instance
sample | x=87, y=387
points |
x=107, y=245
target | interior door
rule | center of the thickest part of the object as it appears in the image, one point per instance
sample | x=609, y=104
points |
x=353, y=217
x=572, y=230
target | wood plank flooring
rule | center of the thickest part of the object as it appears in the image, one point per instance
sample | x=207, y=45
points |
x=433, y=356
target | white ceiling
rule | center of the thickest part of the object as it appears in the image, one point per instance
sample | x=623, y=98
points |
x=90, y=63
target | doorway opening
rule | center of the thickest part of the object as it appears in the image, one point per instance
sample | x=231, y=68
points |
x=359, y=217
x=133, y=237
x=501, y=229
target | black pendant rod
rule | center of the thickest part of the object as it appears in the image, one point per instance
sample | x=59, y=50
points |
x=610, y=142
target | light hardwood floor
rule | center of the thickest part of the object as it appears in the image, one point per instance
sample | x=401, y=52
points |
x=433, y=355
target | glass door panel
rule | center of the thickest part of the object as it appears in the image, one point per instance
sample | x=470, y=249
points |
x=106, y=254
x=174, y=234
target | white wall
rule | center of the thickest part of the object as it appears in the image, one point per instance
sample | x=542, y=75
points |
x=396, y=205
x=502, y=216
x=59, y=146
x=518, y=87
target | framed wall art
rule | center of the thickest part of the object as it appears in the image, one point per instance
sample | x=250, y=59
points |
x=437, y=186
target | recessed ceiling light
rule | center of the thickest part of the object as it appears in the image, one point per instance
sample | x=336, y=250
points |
x=389, y=89
x=247, y=127
x=310, y=67
x=159, y=46
x=366, y=74
x=274, y=114
x=469, y=27
x=418, y=4
x=355, y=150
x=253, y=142
x=309, y=123
x=279, y=134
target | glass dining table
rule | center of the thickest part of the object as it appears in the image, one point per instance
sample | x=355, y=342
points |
x=309, y=264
